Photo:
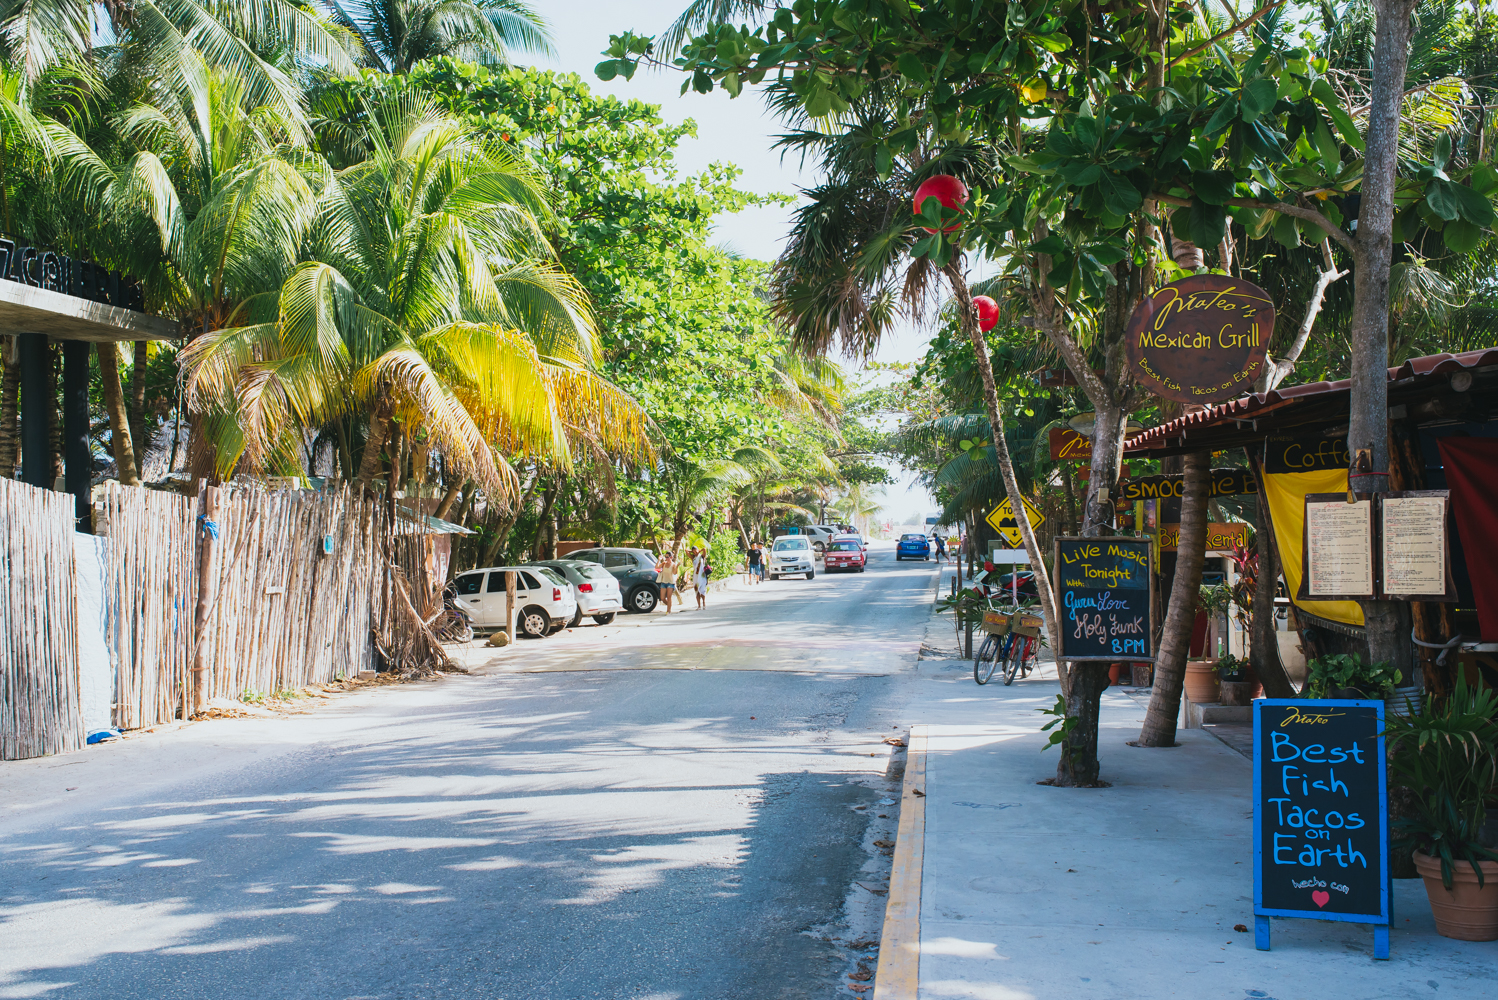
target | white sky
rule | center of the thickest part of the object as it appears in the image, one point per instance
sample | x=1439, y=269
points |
x=736, y=131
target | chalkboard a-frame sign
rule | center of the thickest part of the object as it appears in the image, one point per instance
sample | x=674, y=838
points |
x=1321, y=819
x=1105, y=599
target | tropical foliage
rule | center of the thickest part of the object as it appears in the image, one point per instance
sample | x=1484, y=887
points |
x=401, y=261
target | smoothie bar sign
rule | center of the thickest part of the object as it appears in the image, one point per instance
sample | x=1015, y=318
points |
x=1201, y=339
x=1321, y=835
x=1103, y=590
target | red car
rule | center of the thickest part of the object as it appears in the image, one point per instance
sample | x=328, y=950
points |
x=845, y=555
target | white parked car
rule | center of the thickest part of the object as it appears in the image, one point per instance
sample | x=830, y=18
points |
x=544, y=601
x=596, y=589
x=792, y=554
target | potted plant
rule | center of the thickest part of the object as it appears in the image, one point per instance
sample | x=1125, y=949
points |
x=1239, y=685
x=1202, y=683
x=1347, y=675
x=1447, y=756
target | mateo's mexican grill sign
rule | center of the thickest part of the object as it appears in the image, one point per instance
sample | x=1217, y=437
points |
x=1201, y=339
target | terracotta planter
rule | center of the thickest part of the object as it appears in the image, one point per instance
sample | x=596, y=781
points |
x=1464, y=912
x=1202, y=685
x=1114, y=670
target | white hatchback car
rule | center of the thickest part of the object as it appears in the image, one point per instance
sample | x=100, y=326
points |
x=852, y=536
x=596, y=589
x=792, y=554
x=544, y=601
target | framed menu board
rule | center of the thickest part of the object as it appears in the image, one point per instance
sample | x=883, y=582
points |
x=1104, y=597
x=1337, y=548
x=1415, y=546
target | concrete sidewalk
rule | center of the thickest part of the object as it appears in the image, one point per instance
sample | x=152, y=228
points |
x=1028, y=892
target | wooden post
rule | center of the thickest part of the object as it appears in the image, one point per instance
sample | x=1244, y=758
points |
x=510, y=605
x=207, y=588
x=968, y=637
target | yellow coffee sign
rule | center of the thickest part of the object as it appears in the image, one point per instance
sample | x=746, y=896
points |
x=1001, y=519
x=1201, y=339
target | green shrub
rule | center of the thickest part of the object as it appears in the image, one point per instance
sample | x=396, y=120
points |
x=1326, y=674
x=1446, y=757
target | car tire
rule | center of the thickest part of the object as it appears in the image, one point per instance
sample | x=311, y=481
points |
x=643, y=600
x=774, y=576
x=898, y=557
x=534, y=622
x=604, y=619
x=577, y=618
x=811, y=574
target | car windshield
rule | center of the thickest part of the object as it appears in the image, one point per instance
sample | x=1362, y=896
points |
x=845, y=546
x=552, y=575
x=787, y=544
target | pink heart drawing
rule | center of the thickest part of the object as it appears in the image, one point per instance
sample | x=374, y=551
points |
x=1321, y=898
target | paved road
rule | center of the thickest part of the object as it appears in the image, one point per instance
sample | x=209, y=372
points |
x=641, y=834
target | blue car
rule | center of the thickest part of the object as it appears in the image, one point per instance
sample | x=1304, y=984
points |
x=912, y=546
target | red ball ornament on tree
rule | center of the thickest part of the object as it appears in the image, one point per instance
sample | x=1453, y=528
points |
x=948, y=190
x=988, y=312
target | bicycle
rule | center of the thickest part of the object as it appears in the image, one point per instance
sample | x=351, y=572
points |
x=1013, y=643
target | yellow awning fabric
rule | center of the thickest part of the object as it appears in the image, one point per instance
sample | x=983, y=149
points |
x=1287, y=507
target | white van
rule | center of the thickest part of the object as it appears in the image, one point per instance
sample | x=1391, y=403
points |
x=544, y=601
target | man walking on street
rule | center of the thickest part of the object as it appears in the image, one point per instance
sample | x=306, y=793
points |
x=756, y=560
x=941, y=548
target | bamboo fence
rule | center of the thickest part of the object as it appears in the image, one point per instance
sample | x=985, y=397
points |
x=39, y=707
x=150, y=586
x=283, y=612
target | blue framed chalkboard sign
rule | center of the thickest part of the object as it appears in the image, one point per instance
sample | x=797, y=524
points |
x=1105, y=597
x=1321, y=817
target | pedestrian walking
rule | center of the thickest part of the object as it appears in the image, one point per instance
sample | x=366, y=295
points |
x=941, y=548
x=702, y=571
x=756, y=559
x=666, y=573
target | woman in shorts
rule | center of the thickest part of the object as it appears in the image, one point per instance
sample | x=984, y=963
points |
x=665, y=569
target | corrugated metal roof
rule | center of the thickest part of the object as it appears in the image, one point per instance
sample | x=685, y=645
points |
x=1257, y=405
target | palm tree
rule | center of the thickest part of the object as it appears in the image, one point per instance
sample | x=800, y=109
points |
x=398, y=34
x=432, y=305
x=266, y=43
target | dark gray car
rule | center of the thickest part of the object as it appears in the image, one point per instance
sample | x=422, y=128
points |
x=635, y=571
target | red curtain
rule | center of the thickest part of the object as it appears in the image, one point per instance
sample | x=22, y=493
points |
x=1472, y=476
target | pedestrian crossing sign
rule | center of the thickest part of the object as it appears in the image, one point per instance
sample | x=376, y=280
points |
x=1001, y=519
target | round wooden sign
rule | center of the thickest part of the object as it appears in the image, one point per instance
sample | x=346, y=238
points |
x=1201, y=339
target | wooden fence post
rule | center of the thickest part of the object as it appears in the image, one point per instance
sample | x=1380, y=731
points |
x=510, y=605
x=207, y=588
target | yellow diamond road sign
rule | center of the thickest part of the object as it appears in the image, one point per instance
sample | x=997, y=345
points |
x=1002, y=520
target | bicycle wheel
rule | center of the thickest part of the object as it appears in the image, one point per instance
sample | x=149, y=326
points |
x=986, y=660
x=1014, y=658
x=1031, y=656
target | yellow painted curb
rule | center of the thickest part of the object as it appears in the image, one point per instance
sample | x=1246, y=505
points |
x=898, y=975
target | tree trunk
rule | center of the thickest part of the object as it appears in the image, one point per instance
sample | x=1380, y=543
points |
x=1368, y=428
x=502, y=535
x=1170, y=667
x=140, y=435
x=446, y=506
x=1079, y=767
x=1264, y=648
x=374, y=444
x=119, y=420
x=548, y=497
x=968, y=318
x=10, y=395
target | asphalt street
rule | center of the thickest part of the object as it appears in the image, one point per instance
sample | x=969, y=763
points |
x=680, y=809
